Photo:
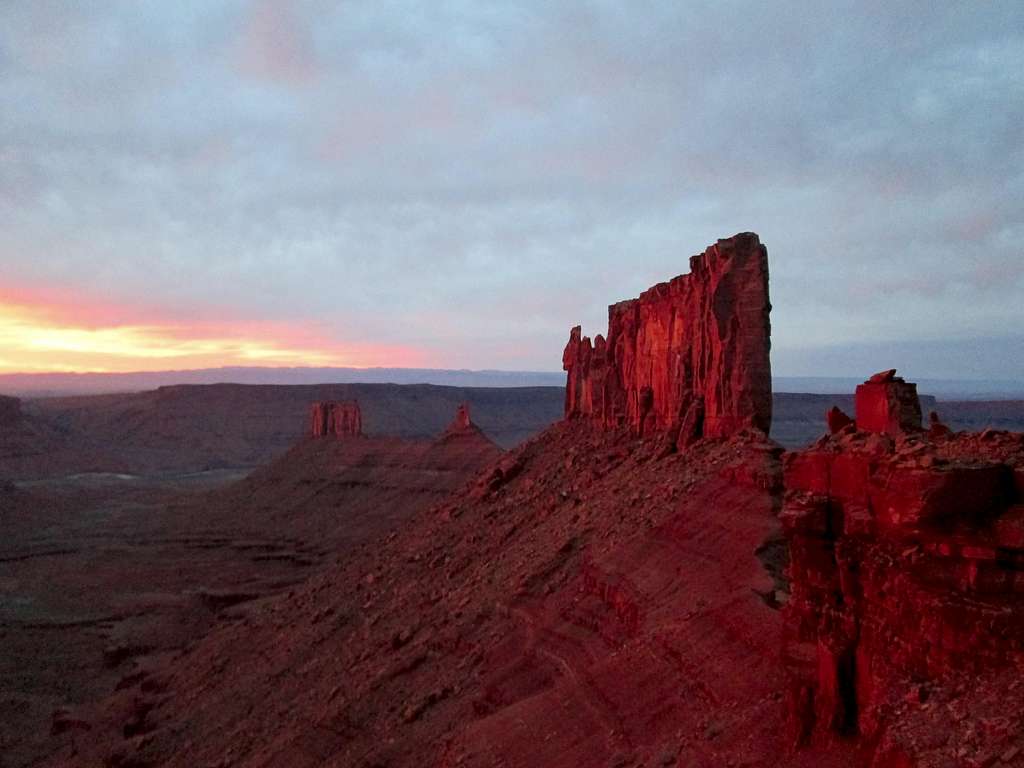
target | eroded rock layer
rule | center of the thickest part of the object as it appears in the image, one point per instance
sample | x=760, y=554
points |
x=907, y=568
x=336, y=418
x=689, y=356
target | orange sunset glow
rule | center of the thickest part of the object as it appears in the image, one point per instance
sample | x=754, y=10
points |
x=41, y=337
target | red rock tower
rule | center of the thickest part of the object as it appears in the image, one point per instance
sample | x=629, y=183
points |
x=461, y=420
x=689, y=355
x=889, y=404
x=462, y=425
x=340, y=419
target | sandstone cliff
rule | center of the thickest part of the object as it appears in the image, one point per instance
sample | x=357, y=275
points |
x=690, y=356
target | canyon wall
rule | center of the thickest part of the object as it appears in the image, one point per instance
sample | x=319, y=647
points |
x=336, y=418
x=690, y=356
x=907, y=563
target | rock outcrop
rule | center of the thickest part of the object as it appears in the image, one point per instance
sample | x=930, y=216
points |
x=887, y=403
x=693, y=351
x=462, y=421
x=907, y=564
x=340, y=419
x=837, y=420
x=462, y=425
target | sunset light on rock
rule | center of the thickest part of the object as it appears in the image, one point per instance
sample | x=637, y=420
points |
x=529, y=384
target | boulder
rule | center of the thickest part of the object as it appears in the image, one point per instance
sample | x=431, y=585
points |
x=936, y=429
x=837, y=420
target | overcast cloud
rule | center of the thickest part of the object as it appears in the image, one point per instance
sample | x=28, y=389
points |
x=470, y=179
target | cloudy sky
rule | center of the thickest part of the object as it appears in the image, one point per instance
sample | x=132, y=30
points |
x=455, y=184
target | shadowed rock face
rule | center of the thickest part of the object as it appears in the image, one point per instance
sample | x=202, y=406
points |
x=339, y=419
x=693, y=351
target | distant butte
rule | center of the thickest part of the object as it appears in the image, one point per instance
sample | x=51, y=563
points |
x=690, y=356
x=340, y=419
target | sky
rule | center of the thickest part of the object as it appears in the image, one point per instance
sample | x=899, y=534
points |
x=456, y=184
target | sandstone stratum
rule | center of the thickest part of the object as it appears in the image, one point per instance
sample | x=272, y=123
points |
x=650, y=582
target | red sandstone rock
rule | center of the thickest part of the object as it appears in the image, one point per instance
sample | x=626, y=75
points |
x=701, y=338
x=886, y=403
x=336, y=418
x=837, y=420
x=906, y=562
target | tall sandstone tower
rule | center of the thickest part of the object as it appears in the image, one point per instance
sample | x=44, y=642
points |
x=690, y=356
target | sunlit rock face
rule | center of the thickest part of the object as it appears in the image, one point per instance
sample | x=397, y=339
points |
x=690, y=356
x=340, y=419
x=887, y=403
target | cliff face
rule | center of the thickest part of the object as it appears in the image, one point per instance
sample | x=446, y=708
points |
x=690, y=356
x=336, y=418
x=907, y=565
